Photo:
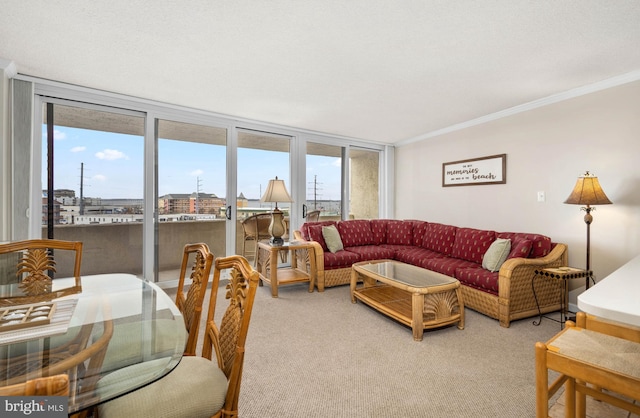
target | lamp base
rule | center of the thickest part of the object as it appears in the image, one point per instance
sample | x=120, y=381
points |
x=276, y=241
x=277, y=227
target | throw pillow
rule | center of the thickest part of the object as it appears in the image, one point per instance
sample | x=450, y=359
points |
x=332, y=238
x=496, y=254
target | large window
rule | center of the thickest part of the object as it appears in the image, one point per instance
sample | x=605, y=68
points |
x=129, y=177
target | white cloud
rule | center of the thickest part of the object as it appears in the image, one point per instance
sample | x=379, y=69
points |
x=111, y=154
x=78, y=149
x=59, y=135
x=197, y=172
x=337, y=162
x=99, y=177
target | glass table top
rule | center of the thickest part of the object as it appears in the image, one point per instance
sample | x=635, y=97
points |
x=406, y=273
x=135, y=321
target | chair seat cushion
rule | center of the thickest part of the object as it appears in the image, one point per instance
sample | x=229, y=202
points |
x=195, y=388
x=126, y=347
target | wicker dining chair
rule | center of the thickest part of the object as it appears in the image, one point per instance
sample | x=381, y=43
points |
x=33, y=264
x=200, y=386
x=190, y=304
x=57, y=385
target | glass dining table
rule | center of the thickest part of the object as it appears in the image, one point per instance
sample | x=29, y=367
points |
x=111, y=324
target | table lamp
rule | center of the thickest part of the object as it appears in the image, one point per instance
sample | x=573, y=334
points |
x=276, y=192
x=587, y=192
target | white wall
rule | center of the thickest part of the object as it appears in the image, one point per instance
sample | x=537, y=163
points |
x=547, y=149
x=7, y=70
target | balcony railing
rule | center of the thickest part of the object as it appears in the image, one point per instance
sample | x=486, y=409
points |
x=117, y=247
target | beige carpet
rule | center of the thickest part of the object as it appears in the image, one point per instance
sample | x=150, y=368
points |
x=317, y=355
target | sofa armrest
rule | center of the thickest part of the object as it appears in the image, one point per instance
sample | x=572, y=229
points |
x=318, y=253
x=517, y=273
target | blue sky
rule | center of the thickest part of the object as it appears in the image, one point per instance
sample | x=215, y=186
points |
x=113, y=167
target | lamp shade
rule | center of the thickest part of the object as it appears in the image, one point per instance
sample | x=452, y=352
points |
x=276, y=192
x=587, y=191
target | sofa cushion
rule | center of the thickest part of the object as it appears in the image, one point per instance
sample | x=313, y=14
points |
x=332, y=238
x=341, y=259
x=496, y=254
x=315, y=234
x=304, y=229
x=399, y=232
x=372, y=252
x=355, y=232
x=439, y=237
x=471, y=244
x=541, y=244
x=478, y=278
x=414, y=255
x=447, y=265
x=521, y=248
x=379, y=230
x=419, y=229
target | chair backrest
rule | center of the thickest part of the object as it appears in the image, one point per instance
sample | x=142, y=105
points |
x=200, y=258
x=313, y=216
x=228, y=341
x=257, y=226
x=57, y=385
x=36, y=262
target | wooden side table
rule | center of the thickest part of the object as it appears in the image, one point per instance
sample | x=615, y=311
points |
x=560, y=273
x=302, y=268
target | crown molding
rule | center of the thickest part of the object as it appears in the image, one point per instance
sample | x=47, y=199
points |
x=555, y=98
x=8, y=67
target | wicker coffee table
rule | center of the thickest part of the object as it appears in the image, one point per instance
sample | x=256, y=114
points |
x=419, y=298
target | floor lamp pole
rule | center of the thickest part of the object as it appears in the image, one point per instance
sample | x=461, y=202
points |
x=588, y=218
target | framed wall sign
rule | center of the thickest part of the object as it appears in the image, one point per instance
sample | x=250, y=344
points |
x=476, y=171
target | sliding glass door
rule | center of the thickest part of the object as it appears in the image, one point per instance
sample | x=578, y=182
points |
x=136, y=180
x=191, y=192
x=324, y=180
x=261, y=156
x=92, y=183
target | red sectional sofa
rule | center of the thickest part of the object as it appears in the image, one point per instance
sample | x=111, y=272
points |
x=505, y=295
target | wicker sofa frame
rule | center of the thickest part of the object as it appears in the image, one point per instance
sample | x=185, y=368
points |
x=514, y=299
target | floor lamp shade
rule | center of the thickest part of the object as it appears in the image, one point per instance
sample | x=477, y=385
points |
x=587, y=192
x=276, y=192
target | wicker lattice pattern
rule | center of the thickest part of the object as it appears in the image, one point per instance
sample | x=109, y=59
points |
x=337, y=277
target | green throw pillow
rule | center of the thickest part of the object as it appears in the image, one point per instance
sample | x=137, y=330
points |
x=496, y=254
x=332, y=238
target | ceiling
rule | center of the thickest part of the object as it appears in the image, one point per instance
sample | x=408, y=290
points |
x=383, y=71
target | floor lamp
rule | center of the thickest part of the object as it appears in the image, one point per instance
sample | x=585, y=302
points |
x=587, y=192
x=276, y=192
